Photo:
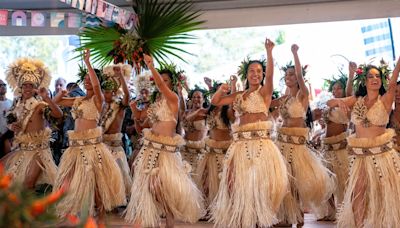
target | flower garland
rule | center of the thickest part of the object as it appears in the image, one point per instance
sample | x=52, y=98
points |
x=290, y=65
x=362, y=71
x=244, y=66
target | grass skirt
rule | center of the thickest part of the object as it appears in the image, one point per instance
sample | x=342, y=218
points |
x=335, y=152
x=209, y=169
x=31, y=147
x=114, y=143
x=161, y=184
x=311, y=183
x=191, y=152
x=378, y=175
x=89, y=169
x=254, y=180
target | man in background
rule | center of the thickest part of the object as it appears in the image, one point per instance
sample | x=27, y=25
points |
x=5, y=134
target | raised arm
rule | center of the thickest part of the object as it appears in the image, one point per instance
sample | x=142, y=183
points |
x=391, y=92
x=55, y=110
x=99, y=99
x=268, y=87
x=162, y=87
x=118, y=72
x=304, y=93
x=343, y=103
x=221, y=98
x=233, y=79
x=349, y=84
x=61, y=99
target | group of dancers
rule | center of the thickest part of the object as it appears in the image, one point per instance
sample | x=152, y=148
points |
x=230, y=162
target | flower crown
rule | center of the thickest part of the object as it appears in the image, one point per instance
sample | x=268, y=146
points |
x=25, y=70
x=198, y=88
x=290, y=65
x=177, y=75
x=244, y=66
x=362, y=71
x=329, y=83
x=144, y=80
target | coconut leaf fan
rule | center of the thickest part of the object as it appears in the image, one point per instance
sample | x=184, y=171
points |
x=160, y=29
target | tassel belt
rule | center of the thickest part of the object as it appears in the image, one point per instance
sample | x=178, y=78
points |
x=299, y=140
x=160, y=146
x=36, y=146
x=336, y=146
x=370, y=151
x=251, y=135
x=114, y=143
x=85, y=142
x=215, y=150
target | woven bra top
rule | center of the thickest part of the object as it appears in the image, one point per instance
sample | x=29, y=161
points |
x=291, y=107
x=254, y=103
x=376, y=115
x=160, y=111
x=214, y=121
x=197, y=125
x=335, y=115
x=85, y=109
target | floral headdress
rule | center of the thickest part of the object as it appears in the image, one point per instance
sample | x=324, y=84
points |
x=244, y=66
x=202, y=90
x=109, y=81
x=177, y=78
x=362, y=71
x=25, y=70
x=291, y=65
x=144, y=81
x=342, y=80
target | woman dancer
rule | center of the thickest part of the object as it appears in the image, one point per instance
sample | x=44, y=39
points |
x=310, y=182
x=254, y=178
x=194, y=124
x=334, y=143
x=31, y=161
x=371, y=198
x=87, y=167
x=210, y=163
x=161, y=185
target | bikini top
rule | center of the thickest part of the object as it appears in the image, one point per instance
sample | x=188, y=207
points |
x=335, y=115
x=85, y=109
x=197, y=125
x=374, y=116
x=160, y=111
x=291, y=107
x=254, y=103
x=214, y=121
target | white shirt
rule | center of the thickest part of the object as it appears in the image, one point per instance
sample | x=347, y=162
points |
x=4, y=107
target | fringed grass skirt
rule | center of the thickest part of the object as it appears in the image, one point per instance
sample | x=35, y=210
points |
x=190, y=154
x=210, y=167
x=90, y=171
x=114, y=143
x=254, y=180
x=161, y=184
x=375, y=178
x=31, y=147
x=311, y=183
x=335, y=152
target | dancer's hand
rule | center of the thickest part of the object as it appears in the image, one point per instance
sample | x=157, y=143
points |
x=86, y=56
x=269, y=45
x=233, y=79
x=208, y=82
x=352, y=68
x=343, y=107
x=224, y=88
x=148, y=60
x=44, y=93
x=295, y=48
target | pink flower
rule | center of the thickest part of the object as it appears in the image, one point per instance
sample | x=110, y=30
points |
x=359, y=71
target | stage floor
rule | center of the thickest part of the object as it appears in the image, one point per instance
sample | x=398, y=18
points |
x=310, y=222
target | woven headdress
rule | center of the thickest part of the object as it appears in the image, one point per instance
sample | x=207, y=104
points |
x=27, y=70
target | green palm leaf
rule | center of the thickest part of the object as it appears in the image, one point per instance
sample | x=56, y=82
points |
x=161, y=29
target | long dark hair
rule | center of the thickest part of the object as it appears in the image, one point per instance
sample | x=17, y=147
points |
x=206, y=103
x=263, y=69
x=362, y=89
x=223, y=115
